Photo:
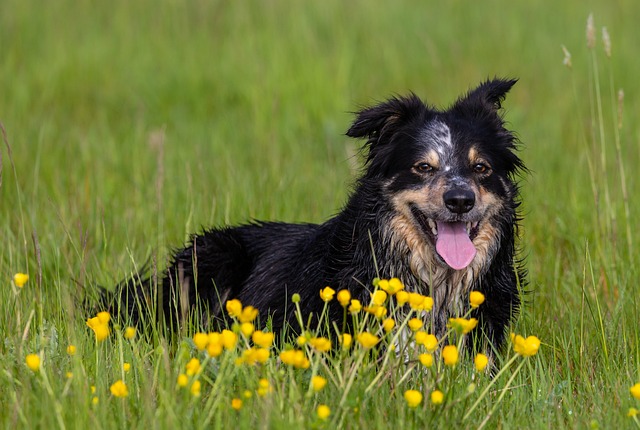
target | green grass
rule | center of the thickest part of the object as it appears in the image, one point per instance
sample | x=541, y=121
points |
x=130, y=125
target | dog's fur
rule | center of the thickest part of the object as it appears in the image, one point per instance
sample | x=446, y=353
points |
x=426, y=169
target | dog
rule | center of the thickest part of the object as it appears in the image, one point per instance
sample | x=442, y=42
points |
x=436, y=205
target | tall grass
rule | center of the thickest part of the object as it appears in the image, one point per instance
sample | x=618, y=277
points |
x=127, y=126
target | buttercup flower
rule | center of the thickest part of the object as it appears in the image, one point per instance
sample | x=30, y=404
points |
x=264, y=387
x=247, y=328
x=104, y=317
x=402, y=297
x=344, y=297
x=526, y=347
x=476, y=298
x=19, y=279
x=379, y=297
x=419, y=302
x=355, y=306
x=129, y=332
x=368, y=340
x=253, y=356
x=413, y=398
x=481, y=361
x=236, y=403
x=201, y=340
x=426, y=359
x=463, y=325
x=377, y=311
x=248, y=314
x=437, y=397
x=346, y=340
x=323, y=412
x=415, y=324
x=229, y=338
x=322, y=344
x=234, y=308
x=388, y=324
x=318, y=383
x=327, y=294
x=95, y=400
x=33, y=362
x=126, y=367
x=214, y=344
x=71, y=350
x=429, y=341
x=262, y=339
x=100, y=325
x=193, y=367
x=632, y=412
x=635, y=391
x=195, y=388
x=183, y=380
x=295, y=358
x=119, y=389
x=450, y=355
x=392, y=286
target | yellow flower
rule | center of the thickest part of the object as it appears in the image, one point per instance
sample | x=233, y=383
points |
x=377, y=311
x=247, y=328
x=33, y=362
x=95, y=400
x=104, y=317
x=418, y=302
x=234, y=308
x=450, y=355
x=183, y=380
x=344, y=297
x=318, y=383
x=430, y=342
x=214, y=345
x=248, y=314
x=236, y=403
x=327, y=294
x=526, y=347
x=322, y=344
x=229, y=338
x=476, y=298
x=264, y=387
x=437, y=397
x=635, y=391
x=100, y=325
x=367, y=340
x=252, y=356
x=323, y=412
x=463, y=325
x=201, y=340
x=126, y=367
x=415, y=324
x=379, y=297
x=129, y=332
x=193, y=367
x=264, y=340
x=301, y=340
x=119, y=389
x=71, y=350
x=632, y=412
x=481, y=361
x=69, y=375
x=388, y=324
x=413, y=398
x=20, y=279
x=392, y=286
x=295, y=358
x=195, y=388
x=355, y=306
x=247, y=394
x=402, y=297
x=93, y=389
x=346, y=340
x=426, y=359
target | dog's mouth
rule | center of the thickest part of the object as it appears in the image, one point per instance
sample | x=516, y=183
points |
x=452, y=239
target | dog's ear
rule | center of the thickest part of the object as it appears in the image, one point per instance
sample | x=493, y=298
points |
x=372, y=122
x=489, y=94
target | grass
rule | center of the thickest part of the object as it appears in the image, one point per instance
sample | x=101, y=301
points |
x=129, y=125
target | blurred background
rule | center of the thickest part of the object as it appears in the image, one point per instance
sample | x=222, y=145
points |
x=130, y=125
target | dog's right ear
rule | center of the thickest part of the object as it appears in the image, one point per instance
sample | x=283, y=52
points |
x=374, y=121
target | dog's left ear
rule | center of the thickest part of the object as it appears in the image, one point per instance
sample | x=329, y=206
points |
x=490, y=94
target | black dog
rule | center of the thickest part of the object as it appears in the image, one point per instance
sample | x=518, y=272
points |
x=436, y=206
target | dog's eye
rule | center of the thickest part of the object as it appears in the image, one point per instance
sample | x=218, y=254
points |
x=424, y=168
x=480, y=168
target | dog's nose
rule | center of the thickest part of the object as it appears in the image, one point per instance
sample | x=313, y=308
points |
x=459, y=200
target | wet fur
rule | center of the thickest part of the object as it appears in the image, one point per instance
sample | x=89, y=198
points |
x=264, y=263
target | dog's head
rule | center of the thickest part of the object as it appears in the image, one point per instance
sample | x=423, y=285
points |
x=448, y=175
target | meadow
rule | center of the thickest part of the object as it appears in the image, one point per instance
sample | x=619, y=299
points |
x=127, y=126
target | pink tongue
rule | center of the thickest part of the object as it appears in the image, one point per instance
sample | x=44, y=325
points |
x=454, y=245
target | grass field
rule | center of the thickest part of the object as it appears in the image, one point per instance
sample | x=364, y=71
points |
x=129, y=125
